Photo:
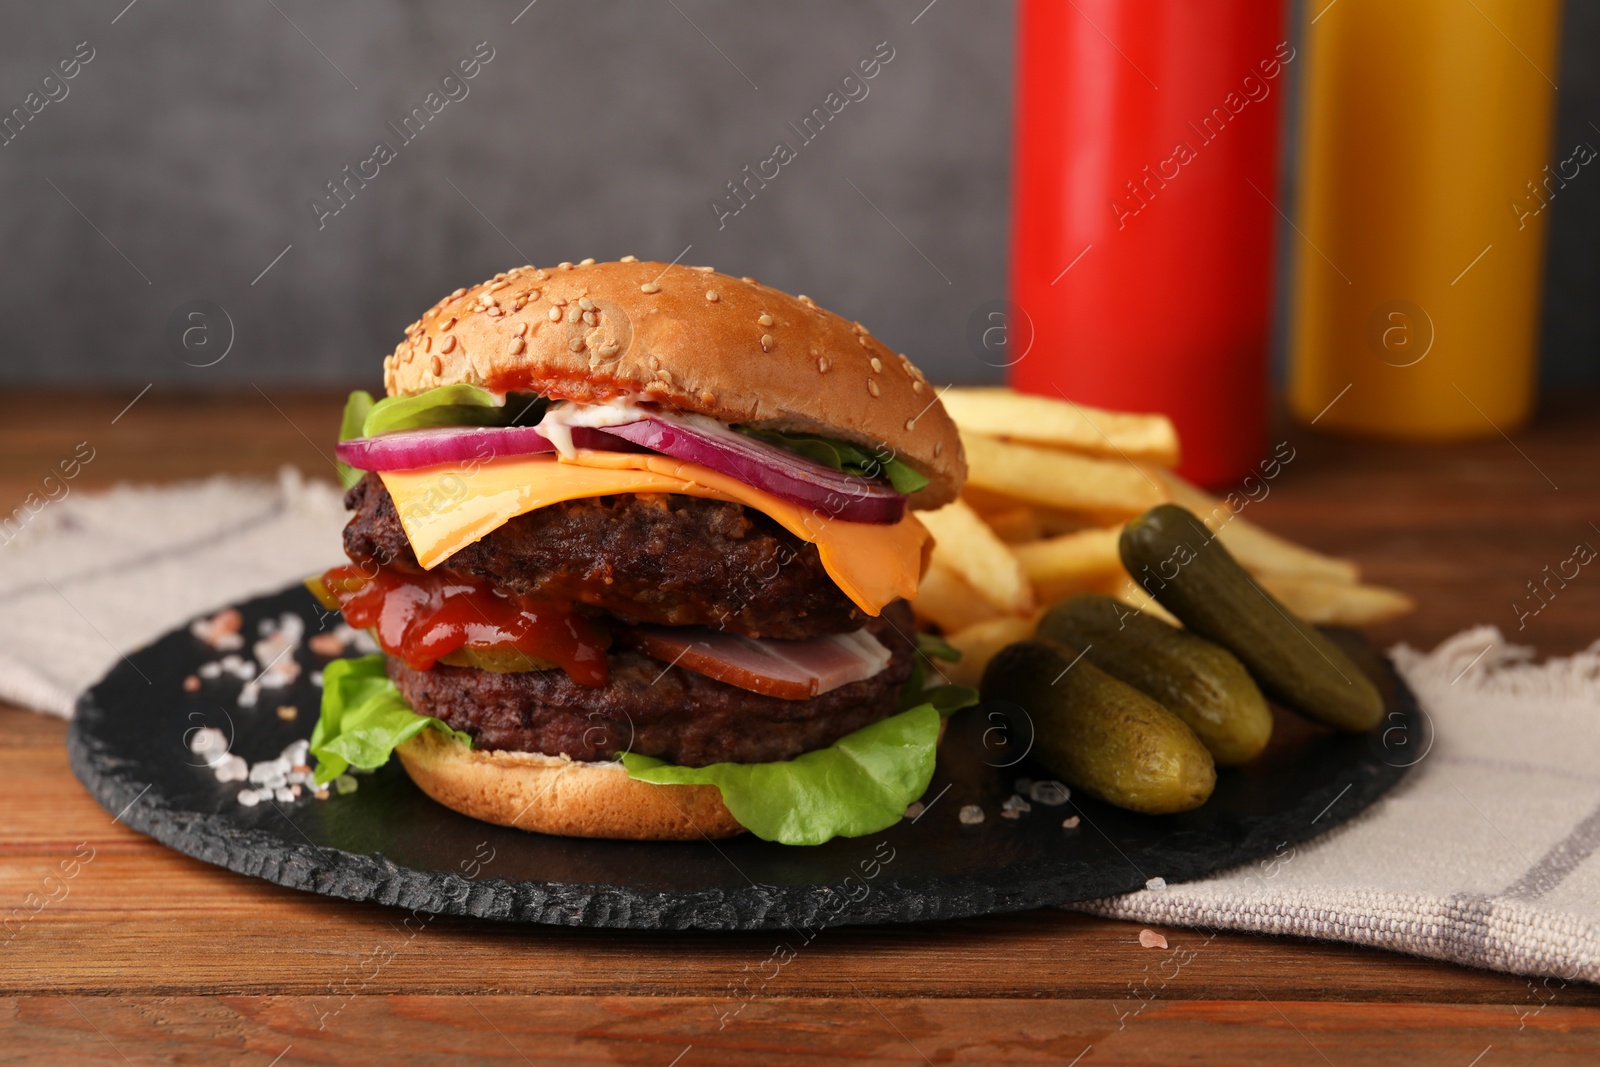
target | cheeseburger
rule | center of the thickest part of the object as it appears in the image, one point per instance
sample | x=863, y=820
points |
x=635, y=541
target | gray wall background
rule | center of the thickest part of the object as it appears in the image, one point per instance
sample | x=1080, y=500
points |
x=185, y=155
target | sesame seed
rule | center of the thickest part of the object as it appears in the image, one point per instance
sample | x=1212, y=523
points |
x=499, y=285
x=427, y=343
x=823, y=364
x=609, y=349
x=591, y=319
x=711, y=295
x=766, y=342
x=574, y=314
x=438, y=367
x=938, y=446
x=541, y=274
x=704, y=270
x=555, y=314
x=649, y=287
x=563, y=266
x=862, y=339
x=628, y=259
x=458, y=294
x=764, y=320
x=911, y=424
x=518, y=345
x=486, y=298
x=500, y=276
x=916, y=387
x=533, y=294
x=586, y=262
x=806, y=300
x=494, y=312
x=414, y=327
x=576, y=344
x=447, y=323
x=877, y=364
x=448, y=347
x=522, y=329
x=872, y=387
x=585, y=303
x=749, y=280
x=665, y=375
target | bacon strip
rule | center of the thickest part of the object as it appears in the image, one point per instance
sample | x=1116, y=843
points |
x=791, y=670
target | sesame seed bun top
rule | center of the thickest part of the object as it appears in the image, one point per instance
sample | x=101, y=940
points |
x=690, y=339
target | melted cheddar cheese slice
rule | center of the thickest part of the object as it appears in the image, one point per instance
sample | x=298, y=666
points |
x=444, y=509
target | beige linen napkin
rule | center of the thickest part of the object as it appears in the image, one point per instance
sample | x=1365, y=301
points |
x=1485, y=854
x=93, y=576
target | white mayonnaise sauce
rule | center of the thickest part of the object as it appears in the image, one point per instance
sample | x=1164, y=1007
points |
x=558, y=422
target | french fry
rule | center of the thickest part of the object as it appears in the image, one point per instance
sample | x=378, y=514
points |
x=1052, y=522
x=1130, y=593
x=1110, y=489
x=1060, y=423
x=971, y=549
x=1015, y=524
x=1257, y=550
x=1335, y=603
x=945, y=599
x=1073, y=563
x=979, y=642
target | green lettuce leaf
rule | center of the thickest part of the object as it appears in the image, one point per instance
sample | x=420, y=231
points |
x=858, y=785
x=447, y=405
x=363, y=719
x=844, y=457
x=947, y=698
x=356, y=409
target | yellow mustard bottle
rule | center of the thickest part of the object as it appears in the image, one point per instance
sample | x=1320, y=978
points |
x=1426, y=184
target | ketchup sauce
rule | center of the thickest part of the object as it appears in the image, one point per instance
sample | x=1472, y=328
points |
x=420, y=616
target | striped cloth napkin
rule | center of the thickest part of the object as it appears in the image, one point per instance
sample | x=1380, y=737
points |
x=1485, y=854
x=95, y=575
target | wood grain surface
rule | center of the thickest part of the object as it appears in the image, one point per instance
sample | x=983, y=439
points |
x=148, y=956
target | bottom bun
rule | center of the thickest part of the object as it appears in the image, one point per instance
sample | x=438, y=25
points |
x=557, y=795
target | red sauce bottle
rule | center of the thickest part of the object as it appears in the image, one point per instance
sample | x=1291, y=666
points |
x=1144, y=212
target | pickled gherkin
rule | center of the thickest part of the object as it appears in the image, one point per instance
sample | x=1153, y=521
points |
x=1098, y=734
x=1200, y=682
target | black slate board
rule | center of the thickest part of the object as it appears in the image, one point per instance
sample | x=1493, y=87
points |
x=389, y=843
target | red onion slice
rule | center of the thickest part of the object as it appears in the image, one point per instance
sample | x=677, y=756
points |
x=778, y=471
x=753, y=461
x=406, y=450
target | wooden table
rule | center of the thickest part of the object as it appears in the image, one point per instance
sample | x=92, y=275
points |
x=153, y=956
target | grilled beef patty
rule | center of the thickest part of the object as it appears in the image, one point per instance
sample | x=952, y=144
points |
x=642, y=558
x=655, y=709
